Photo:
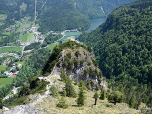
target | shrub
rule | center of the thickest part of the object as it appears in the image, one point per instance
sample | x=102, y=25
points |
x=116, y=96
x=70, y=65
x=94, y=62
x=40, y=88
x=77, y=53
x=68, y=55
x=54, y=91
x=62, y=103
x=89, y=49
x=76, y=63
x=82, y=61
x=89, y=63
x=64, y=64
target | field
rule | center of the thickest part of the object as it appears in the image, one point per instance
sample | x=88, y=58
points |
x=2, y=67
x=7, y=49
x=28, y=37
x=4, y=81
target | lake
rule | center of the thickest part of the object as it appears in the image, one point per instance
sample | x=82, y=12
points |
x=95, y=23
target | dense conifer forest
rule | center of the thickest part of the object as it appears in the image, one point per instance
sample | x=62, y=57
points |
x=122, y=46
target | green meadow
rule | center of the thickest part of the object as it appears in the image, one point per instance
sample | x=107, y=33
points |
x=2, y=67
x=8, y=49
x=28, y=37
x=51, y=46
x=4, y=81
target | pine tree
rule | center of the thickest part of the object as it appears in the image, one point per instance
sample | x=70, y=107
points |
x=81, y=95
x=1, y=103
x=103, y=94
x=96, y=96
x=70, y=92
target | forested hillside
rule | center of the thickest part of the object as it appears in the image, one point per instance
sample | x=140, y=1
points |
x=123, y=46
x=58, y=15
x=61, y=16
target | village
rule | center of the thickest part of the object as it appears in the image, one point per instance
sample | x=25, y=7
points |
x=14, y=70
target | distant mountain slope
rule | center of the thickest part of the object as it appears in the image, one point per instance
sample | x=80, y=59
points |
x=59, y=15
x=123, y=44
x=98, y=8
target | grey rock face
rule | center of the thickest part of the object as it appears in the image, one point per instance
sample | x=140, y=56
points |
x=23, y=109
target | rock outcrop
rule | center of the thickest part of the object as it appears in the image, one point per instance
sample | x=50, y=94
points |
x=79, y=64
x=23, y=109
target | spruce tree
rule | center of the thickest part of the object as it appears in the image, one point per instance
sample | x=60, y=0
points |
x=70, y=92
x=131, y=102
x=121, y=89
x=63, y=76
x=82, y=85
x=64, y=93
x=81, y=95
x=96, y=96
x=89, y=86
x=103, y=94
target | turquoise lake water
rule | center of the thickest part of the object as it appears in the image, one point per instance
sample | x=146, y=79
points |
x=95, y=23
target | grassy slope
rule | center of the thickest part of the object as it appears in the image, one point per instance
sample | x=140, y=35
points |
x=103, y=106
x=7, y=49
